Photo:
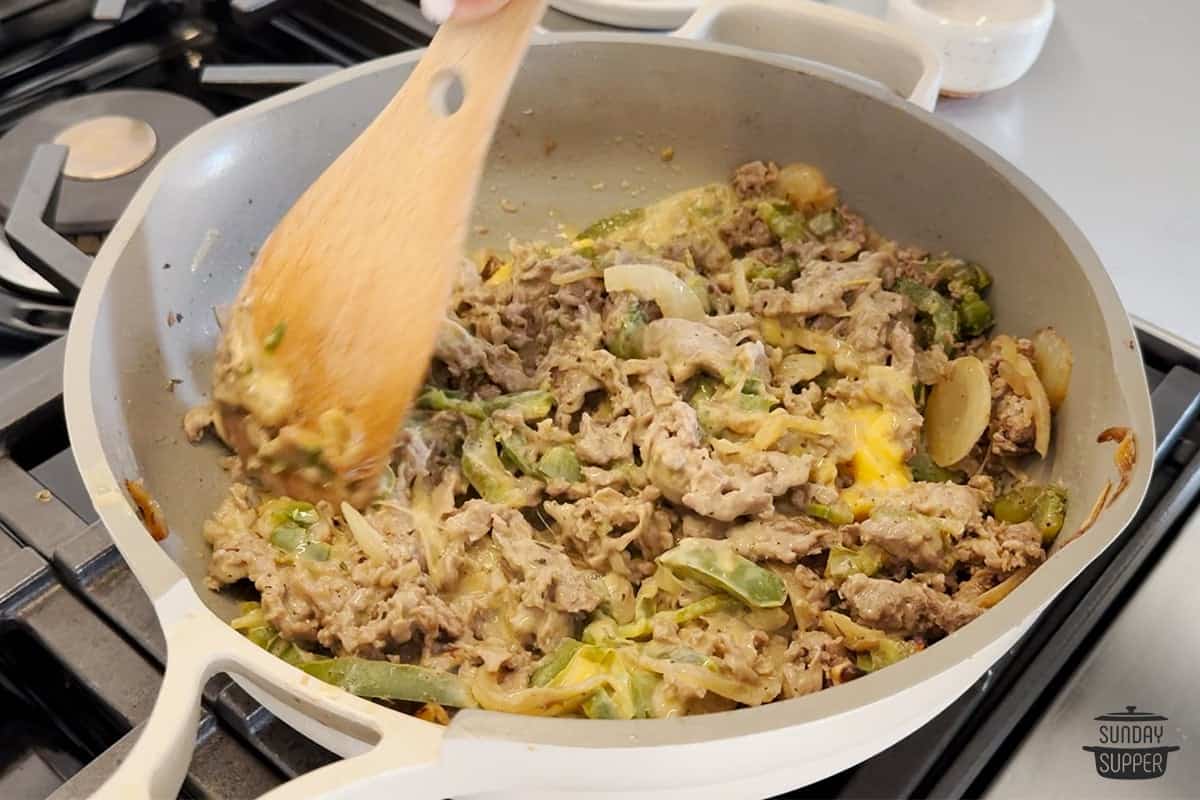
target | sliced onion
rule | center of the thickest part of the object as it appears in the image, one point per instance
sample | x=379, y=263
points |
x=806, y=188
x=539, y=701
x=695, y=675
x=802, y=367
x=1052, y=360
x=1018, y=373
x=741, y=289
x=958, y=411
x=652, y=282
x=369, y=539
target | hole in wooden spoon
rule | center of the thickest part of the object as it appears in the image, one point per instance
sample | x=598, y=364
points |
x=446, y=92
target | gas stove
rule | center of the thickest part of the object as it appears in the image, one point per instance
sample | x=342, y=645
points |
x=81, y=653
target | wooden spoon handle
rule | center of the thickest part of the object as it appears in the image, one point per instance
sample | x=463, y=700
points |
x=483, y=57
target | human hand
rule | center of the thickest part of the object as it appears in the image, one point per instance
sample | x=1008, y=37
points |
x=441, y=10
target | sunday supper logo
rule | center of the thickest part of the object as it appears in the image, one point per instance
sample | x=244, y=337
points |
x=1131, y=745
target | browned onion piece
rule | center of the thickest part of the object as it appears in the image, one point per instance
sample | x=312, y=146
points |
x=1052, y=360
x=958, y=411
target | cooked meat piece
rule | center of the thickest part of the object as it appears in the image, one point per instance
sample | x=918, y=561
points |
x=705, y=250
x=687, y=472
x=461, y=353
x=1013, y=431
x=755, y=179
x=766, y=255
x=950, y=501
x=906, y=608
x=980, y=581
x=732, y=326
x=745, y=231
x=601, y=444
x=602, y=529
x=740, y=648
x=1002, y=547
x=812, y=658
x=912, y=538
x=820, y=289
x=688, y=348
x=197, y=419
x=780, y=538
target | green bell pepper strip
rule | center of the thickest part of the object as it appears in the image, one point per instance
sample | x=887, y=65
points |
x=601, y=705
x=925, y=471
x=602, y=630
x=514, y=452
x=845, y=561
x=825, y=223
x=641, y=628
x=941, y=313
x=294, y=539
x=388, y=681
x=626, y=341
x=642, y=684
x=273, y=339
x=289, y=538
x=782, y=220
x=534, y=404
x=715, y=564
x=886, y=653
x=554, y=662
x=610, y=224
x=435, y=399
x=1044, y=506
x=974, y=314
x=1049, y=513
x=560, y=463
x=282, y=510
x=485, y=471
x=1017, y=504
x=837, y=513
x=781, y=273
x=262, y=636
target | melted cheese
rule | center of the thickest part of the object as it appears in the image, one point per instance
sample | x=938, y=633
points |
x=878, y=461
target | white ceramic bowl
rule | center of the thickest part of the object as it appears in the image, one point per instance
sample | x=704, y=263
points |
x=984, y=44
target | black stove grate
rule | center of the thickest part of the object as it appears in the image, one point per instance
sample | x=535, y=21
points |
x=81, y=652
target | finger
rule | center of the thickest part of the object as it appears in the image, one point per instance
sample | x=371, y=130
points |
x=441, y=10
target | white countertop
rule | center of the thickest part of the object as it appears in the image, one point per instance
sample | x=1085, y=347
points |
x=1108, y=123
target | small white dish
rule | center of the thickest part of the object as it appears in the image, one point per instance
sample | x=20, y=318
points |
x=661, y=15
x=984, y=44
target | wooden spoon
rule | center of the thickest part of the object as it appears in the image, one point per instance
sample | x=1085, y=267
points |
x=345, y=300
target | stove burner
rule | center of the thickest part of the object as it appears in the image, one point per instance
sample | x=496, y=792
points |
x=116, y=139
x=107, y=147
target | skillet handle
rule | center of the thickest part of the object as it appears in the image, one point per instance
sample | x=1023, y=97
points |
x=410, y=757
x=157, y=765
x=840, y=38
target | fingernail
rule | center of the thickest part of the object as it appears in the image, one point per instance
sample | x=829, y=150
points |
x=437, y=10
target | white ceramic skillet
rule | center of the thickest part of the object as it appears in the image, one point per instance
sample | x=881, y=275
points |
x=586, y=123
